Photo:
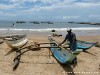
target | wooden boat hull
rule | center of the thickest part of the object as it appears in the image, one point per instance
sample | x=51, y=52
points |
x=16, y=43
x=62, y=55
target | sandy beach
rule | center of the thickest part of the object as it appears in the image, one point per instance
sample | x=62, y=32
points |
x=39, y=62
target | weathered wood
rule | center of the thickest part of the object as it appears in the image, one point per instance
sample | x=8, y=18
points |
x=46, y=43
x=17, y=60
x=16, y=42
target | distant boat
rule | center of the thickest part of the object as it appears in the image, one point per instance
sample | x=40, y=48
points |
x=35, y=22
x=42, y=22
x=20, y=22
x=16, y=41
x=50, y=22
x=71, y=22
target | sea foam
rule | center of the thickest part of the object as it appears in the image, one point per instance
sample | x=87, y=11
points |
x=49, y=29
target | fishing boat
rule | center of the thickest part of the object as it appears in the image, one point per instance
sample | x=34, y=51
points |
x=16, y=41
x=63, y=55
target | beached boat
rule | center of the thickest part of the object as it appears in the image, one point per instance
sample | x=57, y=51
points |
x=16, y=41
x=63, y=55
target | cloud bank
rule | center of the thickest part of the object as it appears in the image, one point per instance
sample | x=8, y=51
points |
x=56, y=10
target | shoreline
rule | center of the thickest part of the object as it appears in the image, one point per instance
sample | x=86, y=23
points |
x=63, y=32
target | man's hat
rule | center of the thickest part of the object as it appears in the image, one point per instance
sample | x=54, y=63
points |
x=68, y=30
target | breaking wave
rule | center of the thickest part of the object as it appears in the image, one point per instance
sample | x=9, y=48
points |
x=49, y=29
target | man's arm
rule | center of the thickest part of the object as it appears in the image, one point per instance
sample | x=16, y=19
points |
x=64, y=40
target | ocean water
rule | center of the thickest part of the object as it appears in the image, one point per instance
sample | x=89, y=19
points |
x=6, y=26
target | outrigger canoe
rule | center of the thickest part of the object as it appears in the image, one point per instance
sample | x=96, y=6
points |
x=16, y=41
x=62, y=55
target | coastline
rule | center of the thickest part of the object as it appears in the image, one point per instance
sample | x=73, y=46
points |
x=90, y=23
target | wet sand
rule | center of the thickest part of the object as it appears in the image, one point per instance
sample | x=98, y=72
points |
x=40, y=63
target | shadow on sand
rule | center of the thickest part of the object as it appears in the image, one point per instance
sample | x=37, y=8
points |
x=9, y=52
x=89, y=53
x=68, y=68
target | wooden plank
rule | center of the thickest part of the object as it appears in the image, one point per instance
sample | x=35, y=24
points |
x=33, y=47
x=46, y=43
x=46, y=47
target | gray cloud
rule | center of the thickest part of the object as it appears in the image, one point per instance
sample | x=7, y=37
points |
x=57, y=10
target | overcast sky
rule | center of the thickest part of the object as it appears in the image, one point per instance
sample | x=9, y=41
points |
x=53, y=10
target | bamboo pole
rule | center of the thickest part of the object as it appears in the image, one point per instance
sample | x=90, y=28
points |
x=48, y=47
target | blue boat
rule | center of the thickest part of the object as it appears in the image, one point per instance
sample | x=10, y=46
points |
x=62, y=55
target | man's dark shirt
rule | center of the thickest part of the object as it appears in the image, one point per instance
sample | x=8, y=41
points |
x=71, y=38
x=72, y=41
